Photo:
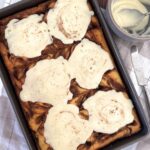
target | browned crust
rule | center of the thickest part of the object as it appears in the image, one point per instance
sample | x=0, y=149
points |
x=36, y=112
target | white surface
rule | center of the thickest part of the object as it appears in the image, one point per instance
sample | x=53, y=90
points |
x=11, y=137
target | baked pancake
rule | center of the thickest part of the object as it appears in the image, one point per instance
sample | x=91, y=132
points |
x=36, y=112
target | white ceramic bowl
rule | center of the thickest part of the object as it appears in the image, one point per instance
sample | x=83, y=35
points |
x=118, y=30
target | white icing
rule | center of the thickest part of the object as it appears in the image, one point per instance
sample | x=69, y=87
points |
x=48, y=81
x=69, y=20
x=109, y=111
x=89, y=63
x=127, y=19
x=27, y=37
x=64, y=129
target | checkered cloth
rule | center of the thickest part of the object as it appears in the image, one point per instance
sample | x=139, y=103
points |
x=11, y=137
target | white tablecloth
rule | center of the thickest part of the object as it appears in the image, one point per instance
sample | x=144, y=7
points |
x=11, y=137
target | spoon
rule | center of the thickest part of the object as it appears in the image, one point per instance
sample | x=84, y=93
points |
x=134, y=17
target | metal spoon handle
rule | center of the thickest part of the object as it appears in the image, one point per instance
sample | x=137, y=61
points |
x=148, y=13
x=140, y=76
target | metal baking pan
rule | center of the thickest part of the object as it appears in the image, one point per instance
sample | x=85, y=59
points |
x=119, y=64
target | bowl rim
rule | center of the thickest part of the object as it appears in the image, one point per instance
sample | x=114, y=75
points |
x=132, y=36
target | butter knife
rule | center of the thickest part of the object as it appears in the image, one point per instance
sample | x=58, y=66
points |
x=141, y=78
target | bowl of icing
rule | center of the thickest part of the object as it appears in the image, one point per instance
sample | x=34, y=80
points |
x=123, y=22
